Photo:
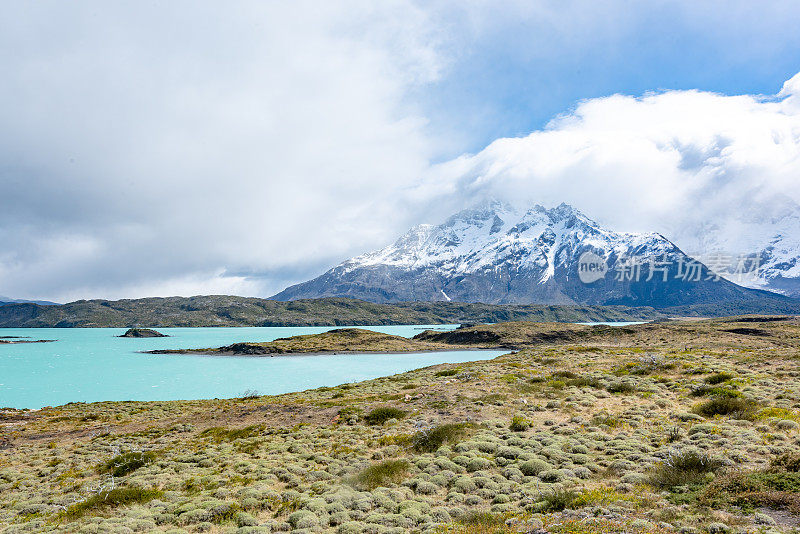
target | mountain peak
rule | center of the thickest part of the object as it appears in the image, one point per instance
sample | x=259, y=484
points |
x=495, y=253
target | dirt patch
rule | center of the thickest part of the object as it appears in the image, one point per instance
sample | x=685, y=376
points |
x=783, y=518
x=749, y=332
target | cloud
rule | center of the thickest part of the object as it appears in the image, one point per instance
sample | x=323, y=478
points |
x=677, y=162
x=187, y=148
x=180, y=141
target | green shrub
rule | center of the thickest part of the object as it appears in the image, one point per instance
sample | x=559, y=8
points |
x=706, y=391
x=558, y=501
x=683, y=468
x=620, y=387
x=718, y=378
x=738, y=408
x=110, y=499
x=534, y=467
x=433, y=438
x=447, y=372
x=583, y=381
x=127, y=462
x=225, y=512
x=519, y=424
x=673, y=434
x=382, y=474
x=378, y=416
x=220, y=434
x=564, y=374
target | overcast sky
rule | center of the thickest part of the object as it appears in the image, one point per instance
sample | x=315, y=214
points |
x=184, y=148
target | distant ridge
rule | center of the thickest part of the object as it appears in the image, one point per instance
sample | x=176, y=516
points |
x=8, y=300
x=221, y=310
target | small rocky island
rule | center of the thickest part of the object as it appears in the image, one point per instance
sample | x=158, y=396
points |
x=338, y=341
x=142, y=332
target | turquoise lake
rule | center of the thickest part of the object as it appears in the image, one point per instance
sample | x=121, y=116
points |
x=93, y=364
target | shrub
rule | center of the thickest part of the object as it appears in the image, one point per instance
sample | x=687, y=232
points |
x=220, y=434
x=519, y=424
x=110, y=499
x=447, y=372
x=682, y=468
x=433, y=438
x=706, y=391
x=674, y=434
x=378, y=416
x=534, y=467
x=749, y=490
x=127, y=462
x=382, y=474
x=484, y=522
x=789, y=461
x=557, y=501
x=224, y=512
x=584, y=381
x=620, y=387
x=718, y=378
x=738, y=408
x=564, y=374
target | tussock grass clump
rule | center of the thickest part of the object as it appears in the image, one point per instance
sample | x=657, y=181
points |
x=378, y=416
x=110, y=499
x=382, y=474
x=433, y=438
x=736, y=407
x=683, y=468
x=127, y=462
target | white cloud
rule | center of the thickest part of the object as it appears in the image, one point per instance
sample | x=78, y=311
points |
x=165, y=142
x=192, y=148
x=674, y=161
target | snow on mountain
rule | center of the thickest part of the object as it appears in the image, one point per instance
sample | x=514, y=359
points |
x=768, y=237
x=494, y=253
x=495, y=234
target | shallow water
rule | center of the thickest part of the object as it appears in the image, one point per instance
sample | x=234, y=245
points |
x=93, y=364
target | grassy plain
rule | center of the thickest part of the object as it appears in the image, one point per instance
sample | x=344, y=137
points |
x=668, y=427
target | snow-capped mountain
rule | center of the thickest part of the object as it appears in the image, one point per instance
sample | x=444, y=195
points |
x=769, y=233
x=496, y=254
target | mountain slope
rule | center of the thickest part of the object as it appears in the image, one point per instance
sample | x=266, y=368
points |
x=498, y=255
x=9, y=300
x=767, y=234
x=222, y=310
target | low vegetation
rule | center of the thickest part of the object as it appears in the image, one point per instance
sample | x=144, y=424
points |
x=678, y=427
x=127, y=462
x=379, y=416
x=105, y=500
x=385, y=473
